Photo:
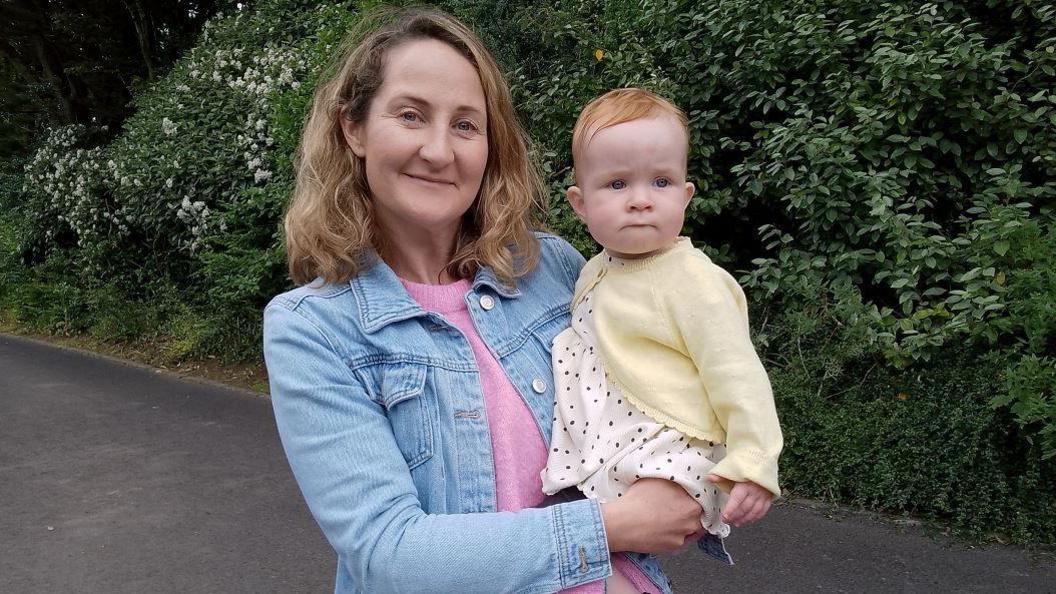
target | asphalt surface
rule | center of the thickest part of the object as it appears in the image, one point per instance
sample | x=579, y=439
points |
x=118, y=478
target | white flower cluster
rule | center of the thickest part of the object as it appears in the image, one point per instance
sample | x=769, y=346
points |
x=221, y=65
x=271, y=70
x=72, y=183
x=256, y=141
x=196, y=216
x=258, y=76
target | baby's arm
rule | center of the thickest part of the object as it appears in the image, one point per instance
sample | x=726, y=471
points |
x=706, y=307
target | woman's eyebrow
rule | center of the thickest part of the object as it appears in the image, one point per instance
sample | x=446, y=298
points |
x=424, y=102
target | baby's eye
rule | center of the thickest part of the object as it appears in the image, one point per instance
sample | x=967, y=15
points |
x=662, y=182
x=617, y=184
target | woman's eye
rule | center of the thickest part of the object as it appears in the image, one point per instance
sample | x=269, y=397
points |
x=662, y=182
x=466, y=126
x=618, y=184
x=409, y=116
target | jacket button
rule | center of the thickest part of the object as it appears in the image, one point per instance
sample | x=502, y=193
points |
x=486, y=302
x=538, y=385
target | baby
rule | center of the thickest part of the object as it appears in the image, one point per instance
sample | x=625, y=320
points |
x=657, y=376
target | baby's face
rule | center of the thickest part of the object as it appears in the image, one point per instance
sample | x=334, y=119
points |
x=632, y=191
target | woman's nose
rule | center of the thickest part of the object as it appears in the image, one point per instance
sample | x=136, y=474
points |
x=436, y=148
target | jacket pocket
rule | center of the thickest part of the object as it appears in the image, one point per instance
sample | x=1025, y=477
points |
x=402, y=393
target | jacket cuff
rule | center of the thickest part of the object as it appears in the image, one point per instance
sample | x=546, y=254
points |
x=582, y=548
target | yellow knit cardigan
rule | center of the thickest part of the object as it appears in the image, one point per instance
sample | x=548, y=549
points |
x=672, y=330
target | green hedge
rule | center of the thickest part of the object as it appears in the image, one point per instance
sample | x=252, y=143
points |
x=926, y=440
x=880, y=175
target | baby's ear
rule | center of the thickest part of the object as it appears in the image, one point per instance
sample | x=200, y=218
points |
x=575, y=198
x=690, y=190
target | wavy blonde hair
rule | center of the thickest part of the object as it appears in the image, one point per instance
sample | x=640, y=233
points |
x=330, y=223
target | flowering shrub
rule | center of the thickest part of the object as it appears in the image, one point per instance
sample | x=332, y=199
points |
x=160, y=204
x=71, y=179
x=183, y=163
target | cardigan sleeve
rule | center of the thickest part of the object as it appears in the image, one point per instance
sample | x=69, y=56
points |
x=707, y=310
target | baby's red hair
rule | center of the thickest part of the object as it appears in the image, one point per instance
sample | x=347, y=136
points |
x=617, y=107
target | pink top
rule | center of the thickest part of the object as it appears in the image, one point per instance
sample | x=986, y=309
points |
x=519, y=455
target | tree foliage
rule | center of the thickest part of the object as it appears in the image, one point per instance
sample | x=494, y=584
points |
x=79, y=61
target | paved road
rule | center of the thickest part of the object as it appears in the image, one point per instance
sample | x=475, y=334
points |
x=116, y=478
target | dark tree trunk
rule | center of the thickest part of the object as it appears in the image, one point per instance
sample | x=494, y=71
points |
x=71, y=90
x=144, y=33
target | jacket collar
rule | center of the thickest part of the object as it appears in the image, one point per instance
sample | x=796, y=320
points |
x=382, y=300
x=485, y=277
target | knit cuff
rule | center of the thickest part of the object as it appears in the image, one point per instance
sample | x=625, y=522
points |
x=749, y=465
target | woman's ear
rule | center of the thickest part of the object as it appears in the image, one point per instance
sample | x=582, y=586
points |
x=575, y=198
x=353, y=133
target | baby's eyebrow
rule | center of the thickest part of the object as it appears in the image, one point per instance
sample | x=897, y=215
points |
x=623, y=173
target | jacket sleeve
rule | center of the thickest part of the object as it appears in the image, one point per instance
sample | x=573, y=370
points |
x=707, y=308
x=358, y=487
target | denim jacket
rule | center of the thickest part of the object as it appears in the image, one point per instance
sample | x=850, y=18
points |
x=380, y=411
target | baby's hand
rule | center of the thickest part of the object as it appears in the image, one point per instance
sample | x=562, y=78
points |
x=748, y=502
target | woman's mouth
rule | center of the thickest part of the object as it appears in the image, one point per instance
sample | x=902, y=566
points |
x=431, y=181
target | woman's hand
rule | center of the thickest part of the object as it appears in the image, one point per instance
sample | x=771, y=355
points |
x=653, y=516
x=748, y=502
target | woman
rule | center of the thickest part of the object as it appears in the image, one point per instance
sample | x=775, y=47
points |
x=410, y=374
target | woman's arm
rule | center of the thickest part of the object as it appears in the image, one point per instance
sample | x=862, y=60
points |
x=654, y=516
x=357, y=485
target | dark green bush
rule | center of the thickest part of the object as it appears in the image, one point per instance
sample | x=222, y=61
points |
x=925, y=441
x=897, y=159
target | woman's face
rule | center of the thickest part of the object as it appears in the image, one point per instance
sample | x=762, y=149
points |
x=424, y=140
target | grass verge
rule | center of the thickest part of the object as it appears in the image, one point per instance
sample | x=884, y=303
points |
x=246, y=376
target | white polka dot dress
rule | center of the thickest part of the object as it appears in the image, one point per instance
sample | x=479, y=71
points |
x=602, y=443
